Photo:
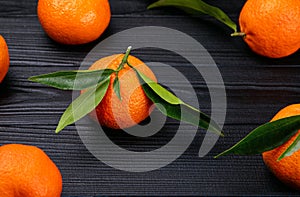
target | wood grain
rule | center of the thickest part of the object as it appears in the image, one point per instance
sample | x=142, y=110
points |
x=256, y=88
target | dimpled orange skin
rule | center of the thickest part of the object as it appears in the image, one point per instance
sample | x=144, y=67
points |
x=288, y=169
x=26, y=171
x=272, y=27
x=134, y=106
x=74, y=21
x=4, y=58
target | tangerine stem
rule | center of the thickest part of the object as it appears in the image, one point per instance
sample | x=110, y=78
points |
x=241, y=34
x=124, y=60
x=116, y=83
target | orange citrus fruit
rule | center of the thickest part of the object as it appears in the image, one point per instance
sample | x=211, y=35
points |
x=134, y=105
x=26, y=171
x=4, y=58
x=271, y=28
x=74, y=21
x=288, y=169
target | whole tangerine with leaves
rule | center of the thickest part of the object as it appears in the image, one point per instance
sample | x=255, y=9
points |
x=287, y=169
x=26, y=171
x=271, y=28
x=134, y=106
x=74, y=21
x=4, y=58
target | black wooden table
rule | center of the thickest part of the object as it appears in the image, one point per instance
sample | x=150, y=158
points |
x=256, y=89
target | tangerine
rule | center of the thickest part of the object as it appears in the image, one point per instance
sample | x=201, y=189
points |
x=74, y=21
x=287, y=169
x=4, y=58
x=271, y=28
x=26, y=171
x=134, y=105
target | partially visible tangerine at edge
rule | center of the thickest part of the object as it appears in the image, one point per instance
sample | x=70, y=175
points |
x=287, y=169
x=272, y=27
x=4, y=58
x=74, y=21
x=26, y=171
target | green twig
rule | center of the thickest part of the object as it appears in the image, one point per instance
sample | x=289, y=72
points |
x=124, y=60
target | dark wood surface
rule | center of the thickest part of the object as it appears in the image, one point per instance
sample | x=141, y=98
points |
x=256, y=89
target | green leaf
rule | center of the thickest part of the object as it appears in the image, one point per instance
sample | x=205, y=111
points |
x=73, y=80
x=197, y=6
x=173, y=107
x=159, y=90
x=266, y=137
x=295, y=146
x=83, y=105
x=116, y=86
x=181, y=112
